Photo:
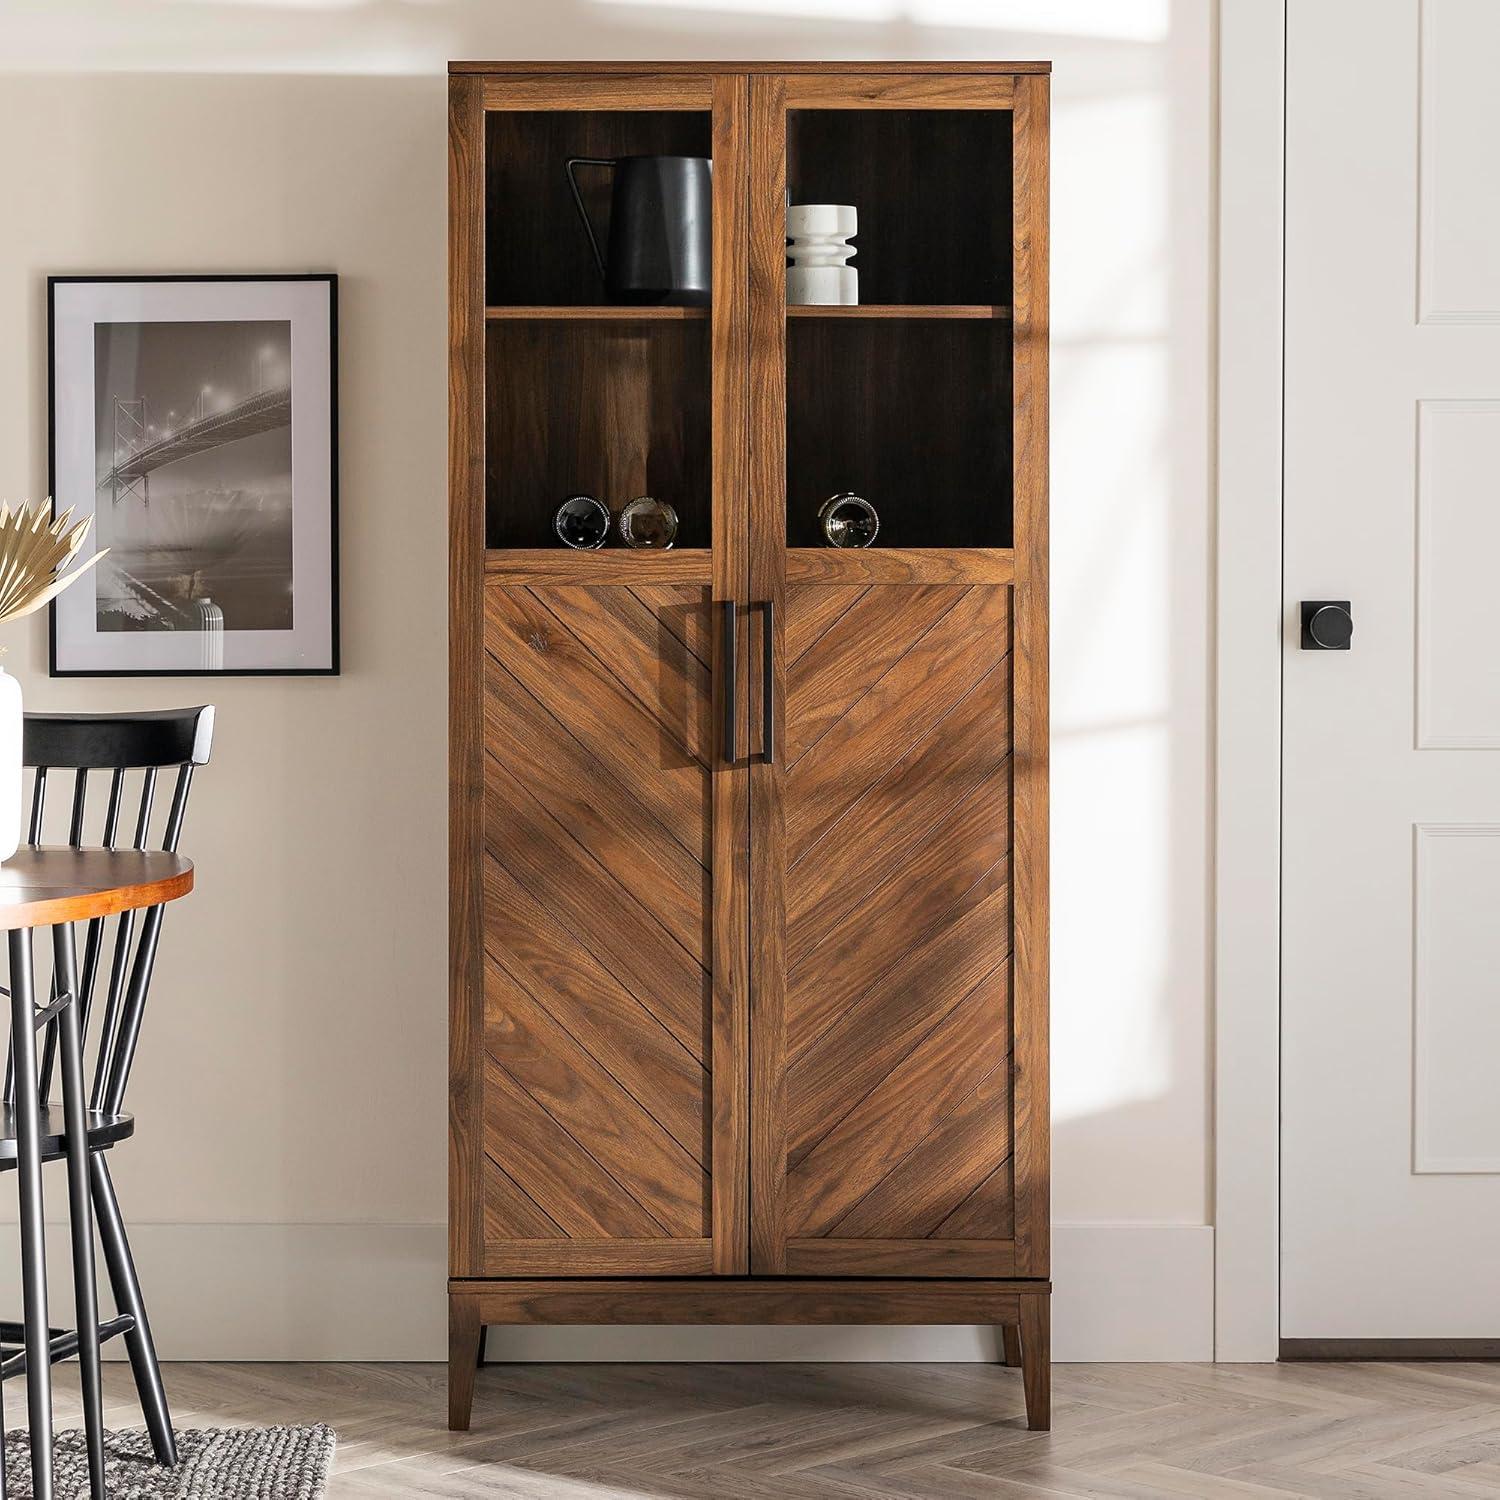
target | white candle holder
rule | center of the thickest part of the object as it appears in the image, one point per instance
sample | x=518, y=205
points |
x=819, y=274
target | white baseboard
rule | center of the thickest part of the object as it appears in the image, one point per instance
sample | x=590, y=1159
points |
x=273, y=1291
x=376, y=1292
x=1132, y=1292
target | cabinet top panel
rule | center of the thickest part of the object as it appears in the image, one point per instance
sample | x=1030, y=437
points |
x=633, y=68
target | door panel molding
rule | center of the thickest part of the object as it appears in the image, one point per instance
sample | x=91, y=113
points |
x=1453, y=908
x=1457, y=618
x=1458, y=227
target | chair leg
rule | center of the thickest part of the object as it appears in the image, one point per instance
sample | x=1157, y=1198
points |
x=80, y=1218
x=33, y=1228
x=127, y=1291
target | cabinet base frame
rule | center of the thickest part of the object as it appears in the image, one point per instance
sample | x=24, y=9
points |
x=1022, y=1308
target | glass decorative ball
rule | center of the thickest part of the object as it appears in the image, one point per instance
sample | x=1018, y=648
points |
x=848, y=520
x=649, y=523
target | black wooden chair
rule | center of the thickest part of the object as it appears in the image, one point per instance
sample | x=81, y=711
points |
x=147, y=743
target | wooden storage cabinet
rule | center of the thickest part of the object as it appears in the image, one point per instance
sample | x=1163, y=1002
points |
x=748, y=838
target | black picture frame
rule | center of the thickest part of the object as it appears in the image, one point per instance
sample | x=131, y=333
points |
x=329, y=664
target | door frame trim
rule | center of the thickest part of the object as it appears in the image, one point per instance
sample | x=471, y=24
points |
x=1249, y=646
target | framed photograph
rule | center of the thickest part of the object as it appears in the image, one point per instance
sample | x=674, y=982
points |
x=195, y=418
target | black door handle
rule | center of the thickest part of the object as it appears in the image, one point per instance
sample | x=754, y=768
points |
x=731, y=662
x=768, y=684
x=1327, y=625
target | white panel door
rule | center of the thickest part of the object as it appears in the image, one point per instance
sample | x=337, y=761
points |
x=1391, y=920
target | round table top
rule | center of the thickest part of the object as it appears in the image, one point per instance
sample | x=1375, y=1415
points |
x=43, y=886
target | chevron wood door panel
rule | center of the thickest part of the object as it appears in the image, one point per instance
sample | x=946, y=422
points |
x=599, y=854
x=894, y=1099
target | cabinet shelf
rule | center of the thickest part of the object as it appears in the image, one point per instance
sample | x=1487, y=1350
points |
x=835, y=565
x=984, y=310
x=528, y=566
x=602, y=314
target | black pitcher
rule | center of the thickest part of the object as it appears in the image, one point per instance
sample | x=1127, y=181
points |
x=660, y=215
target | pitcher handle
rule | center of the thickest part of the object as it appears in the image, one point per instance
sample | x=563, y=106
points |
x=583, y=213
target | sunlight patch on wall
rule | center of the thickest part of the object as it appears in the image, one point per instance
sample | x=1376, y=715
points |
x=1111, y=1032
x=1115, y=792
x=1105, y=20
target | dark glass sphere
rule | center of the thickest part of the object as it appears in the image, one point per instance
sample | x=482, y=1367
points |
x=582, y=521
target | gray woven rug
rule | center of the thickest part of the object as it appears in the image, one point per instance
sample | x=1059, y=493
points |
x=213, y=1463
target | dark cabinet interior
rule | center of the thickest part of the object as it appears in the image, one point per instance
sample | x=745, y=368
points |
x=536, y=252
x=902, y=412
x=615, y=409
x=932, y=187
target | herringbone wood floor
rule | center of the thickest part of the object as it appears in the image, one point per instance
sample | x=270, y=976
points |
x=852, y=1432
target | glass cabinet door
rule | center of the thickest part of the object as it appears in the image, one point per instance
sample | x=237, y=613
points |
x=897, y=363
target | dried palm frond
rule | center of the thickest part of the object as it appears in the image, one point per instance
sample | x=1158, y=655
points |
x=34, y=551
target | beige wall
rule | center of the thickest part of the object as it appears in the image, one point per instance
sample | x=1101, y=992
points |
x=291, y=1080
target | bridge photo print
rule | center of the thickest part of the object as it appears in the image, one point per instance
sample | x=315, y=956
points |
x=195, y=420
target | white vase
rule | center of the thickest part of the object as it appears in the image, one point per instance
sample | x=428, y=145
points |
x=211, y=623
x=10, y=765
x=819, y=250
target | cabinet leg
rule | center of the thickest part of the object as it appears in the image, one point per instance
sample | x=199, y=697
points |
x=1036, y=1361
x=464, y=1335
x=1010, y=1334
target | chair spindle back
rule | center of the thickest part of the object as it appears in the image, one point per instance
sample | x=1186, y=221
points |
x=149, y=742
